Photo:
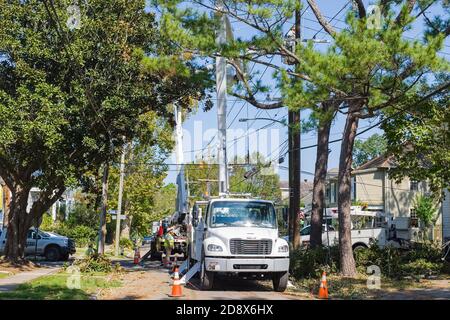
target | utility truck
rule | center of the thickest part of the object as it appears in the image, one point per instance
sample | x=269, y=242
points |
x=236, y=237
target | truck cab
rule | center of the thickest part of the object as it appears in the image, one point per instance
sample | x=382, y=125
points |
x=238, y=237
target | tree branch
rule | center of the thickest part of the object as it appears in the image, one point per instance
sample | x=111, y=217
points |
x=361, y=9
x=323, y=22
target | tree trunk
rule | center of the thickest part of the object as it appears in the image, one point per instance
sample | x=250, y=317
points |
x=320, y=175
x=347, y=261
x=102, y=228
x=294, y=178
x=18, y=225
x=6, y=204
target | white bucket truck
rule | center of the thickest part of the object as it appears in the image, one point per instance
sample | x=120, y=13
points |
x=233, y=236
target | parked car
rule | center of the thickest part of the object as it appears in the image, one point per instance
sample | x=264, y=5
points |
x=52, y=246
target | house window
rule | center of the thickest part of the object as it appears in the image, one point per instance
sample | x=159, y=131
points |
x=414, y=185
x=414, y=218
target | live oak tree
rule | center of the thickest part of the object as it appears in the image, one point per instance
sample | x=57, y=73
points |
x=68, y=96
x=370, y=65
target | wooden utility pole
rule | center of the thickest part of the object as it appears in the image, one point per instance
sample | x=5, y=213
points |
x=119, y=201
x=221, y=90
x=294, y=157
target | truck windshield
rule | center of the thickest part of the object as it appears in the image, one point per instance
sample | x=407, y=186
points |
x=242, y=214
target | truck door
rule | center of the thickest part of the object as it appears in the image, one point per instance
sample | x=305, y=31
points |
x=199, y=229
x=31, y=242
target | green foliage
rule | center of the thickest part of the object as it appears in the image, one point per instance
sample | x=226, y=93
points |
x=426, y=209
x=97, y=263
x=310, y=263
x=83, y=214
x=47, y=222
x=369, y=149
x=423, y=259
x=67, y=97
x=419, y=140
x=126, y=243
x=82, y=235
x=264, y=183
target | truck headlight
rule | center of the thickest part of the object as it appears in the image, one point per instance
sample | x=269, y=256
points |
x=214, y=248
x=283, y=249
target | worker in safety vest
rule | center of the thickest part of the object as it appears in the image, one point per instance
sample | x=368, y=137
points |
x=169, y=244
x=159, y=236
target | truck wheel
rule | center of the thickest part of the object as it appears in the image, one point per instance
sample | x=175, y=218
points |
x=280, y=281
x=206, y=278
x=52, y=253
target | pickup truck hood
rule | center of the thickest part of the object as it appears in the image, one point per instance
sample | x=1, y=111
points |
x=55, y=235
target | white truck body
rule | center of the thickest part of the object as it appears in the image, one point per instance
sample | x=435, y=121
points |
x=365, y=229
x=238, y=236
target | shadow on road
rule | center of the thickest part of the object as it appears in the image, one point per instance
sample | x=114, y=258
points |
x=224, y=283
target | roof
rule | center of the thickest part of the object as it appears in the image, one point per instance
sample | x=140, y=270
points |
x=378, y=162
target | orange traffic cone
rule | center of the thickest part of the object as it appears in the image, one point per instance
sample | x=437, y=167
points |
x=323, y=290
x=176, y=287
x=137, y=256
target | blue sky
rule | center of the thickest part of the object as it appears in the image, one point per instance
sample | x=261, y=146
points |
x=237, y=109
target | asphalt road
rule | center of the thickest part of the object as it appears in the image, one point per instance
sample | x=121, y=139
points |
x=152, y=282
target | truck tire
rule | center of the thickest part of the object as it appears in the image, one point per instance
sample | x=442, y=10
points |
x=52, y=253
x=280, y=281
x=206, y=277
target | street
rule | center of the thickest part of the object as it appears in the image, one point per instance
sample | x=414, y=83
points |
x=152, y=282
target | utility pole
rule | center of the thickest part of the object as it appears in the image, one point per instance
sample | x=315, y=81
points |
x=221, y=89
x=119, y=203
x=182, y=197
x=294, y=157
x=102, y=228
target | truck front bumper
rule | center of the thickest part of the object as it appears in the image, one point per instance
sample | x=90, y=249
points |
x=241, y=264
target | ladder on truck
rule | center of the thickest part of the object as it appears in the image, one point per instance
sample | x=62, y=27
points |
x=190, y=271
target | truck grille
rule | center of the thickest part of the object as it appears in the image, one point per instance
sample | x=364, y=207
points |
x=240, y=246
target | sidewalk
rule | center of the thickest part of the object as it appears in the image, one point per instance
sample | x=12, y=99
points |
x=12, y=282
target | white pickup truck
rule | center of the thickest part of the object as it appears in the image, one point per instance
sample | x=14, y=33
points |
x=52, y=246
x=238, y=237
